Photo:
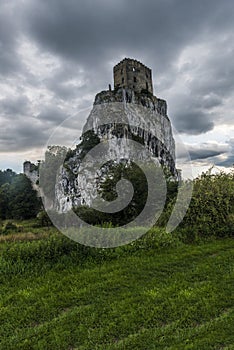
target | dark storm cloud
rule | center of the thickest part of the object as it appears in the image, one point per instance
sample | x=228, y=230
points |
x=97, y=33
x=29, y=131
x=192, y=121
x=91, y=31
x=204, y=154
x=14, y=106
x=68, y=82
x=23, y=135
x=9, y=60
x=52, y=114
x=89, y=37
x=210, y=83
x=228, y=161
x=220, y=155
x=210, y=151
x=211, y=100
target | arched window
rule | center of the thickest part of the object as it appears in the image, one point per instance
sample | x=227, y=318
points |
x=147, y=86
x=135, y=79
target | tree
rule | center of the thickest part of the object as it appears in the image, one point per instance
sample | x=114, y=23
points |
x=4, y=201
x=18, y=199
x=7, y=176
x=44, y=219
x=107, y=190
x=24, y=202
x=54, y=158
x=88, y=141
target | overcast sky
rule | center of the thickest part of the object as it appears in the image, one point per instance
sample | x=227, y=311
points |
x=55, y=55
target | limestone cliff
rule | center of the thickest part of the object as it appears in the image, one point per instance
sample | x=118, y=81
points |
x=117, y=116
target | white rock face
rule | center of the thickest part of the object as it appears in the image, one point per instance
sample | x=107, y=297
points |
x=116, y=118
x=31, y=171
x=32, y=175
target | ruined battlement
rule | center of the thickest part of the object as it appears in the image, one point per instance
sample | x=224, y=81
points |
x=130, y=73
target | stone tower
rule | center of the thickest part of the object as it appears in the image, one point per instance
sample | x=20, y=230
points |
x=133, y=74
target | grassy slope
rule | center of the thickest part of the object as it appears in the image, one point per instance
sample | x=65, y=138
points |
x=180, y=298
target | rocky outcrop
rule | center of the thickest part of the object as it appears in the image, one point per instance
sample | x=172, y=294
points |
x=117, y=117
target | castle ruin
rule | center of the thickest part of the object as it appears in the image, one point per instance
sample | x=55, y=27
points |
x=133, y=74
x=143, y=119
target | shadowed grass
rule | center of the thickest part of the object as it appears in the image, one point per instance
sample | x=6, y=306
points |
x=173, y=297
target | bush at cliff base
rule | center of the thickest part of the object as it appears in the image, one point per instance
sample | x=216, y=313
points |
x=211, y=210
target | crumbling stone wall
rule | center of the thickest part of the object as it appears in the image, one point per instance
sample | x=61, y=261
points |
x=133, y=74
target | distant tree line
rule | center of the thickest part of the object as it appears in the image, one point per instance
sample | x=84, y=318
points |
x=18, y=199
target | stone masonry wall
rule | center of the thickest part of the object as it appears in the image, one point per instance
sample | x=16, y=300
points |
x=134, y=75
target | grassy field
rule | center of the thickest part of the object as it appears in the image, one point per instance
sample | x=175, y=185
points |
x=56, y=296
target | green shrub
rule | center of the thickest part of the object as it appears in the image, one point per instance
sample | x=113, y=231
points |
x=9, y=227
x=157, y=238
x=211, y=210
x=50, y=249
x=43, y=219
x=57, y=247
